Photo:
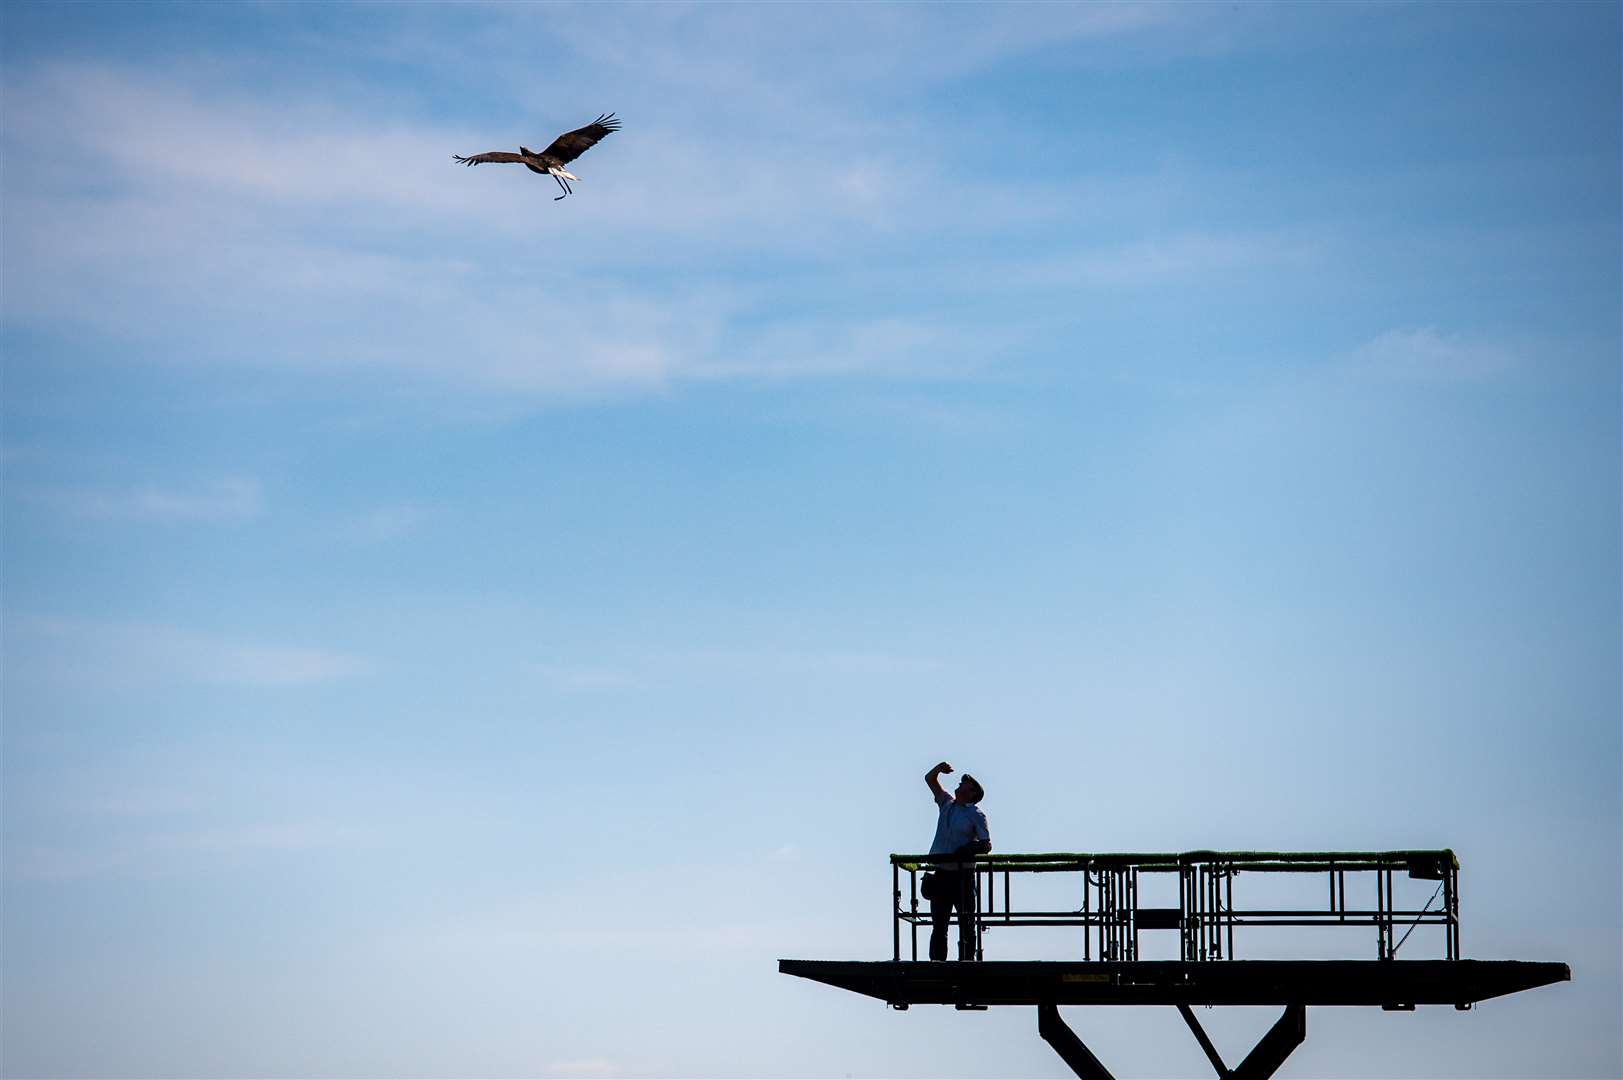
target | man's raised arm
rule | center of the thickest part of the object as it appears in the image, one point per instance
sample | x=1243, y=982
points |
x=935, y=785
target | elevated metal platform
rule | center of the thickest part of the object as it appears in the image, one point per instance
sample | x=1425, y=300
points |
x=1107, y=920
x=1391, y=984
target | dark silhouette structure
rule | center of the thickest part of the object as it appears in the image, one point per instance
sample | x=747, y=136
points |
x=1211, y=919
x=551, y=161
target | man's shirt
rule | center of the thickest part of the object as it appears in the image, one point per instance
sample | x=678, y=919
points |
x=957, y=825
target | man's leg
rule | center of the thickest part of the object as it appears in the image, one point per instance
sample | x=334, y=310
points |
x=940, y=913
x=966, y=915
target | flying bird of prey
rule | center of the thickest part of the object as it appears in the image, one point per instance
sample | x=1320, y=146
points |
x=551, y=161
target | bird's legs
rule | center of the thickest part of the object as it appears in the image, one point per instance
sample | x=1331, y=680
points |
x=562, y=184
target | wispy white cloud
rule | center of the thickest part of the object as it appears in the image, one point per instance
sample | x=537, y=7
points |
x=685, y=665
x=141, y=802
x=184, y=155
x=173, y=851
x=383, y=523
x=332, y=236
x=221, y=226
x=301, y=836
x=803, y=661
x=223, y=502
x=892, y=347
x=1427, y=355
x=605, y=928
x=933, y=415
x=152, y=133
x=1164, y=259
x=123, y=654
x=587, y=676
x=46, y=862
x=583, y=1067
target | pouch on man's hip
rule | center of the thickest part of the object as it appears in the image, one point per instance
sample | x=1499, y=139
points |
x=935, y=886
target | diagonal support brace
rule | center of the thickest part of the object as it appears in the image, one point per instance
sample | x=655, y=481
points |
x=1205, y=1042
x=1264, y=1060
x=1057, y=1034
x=1270, y=1053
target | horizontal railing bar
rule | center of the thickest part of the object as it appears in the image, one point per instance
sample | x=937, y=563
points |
x=1327, y=912
x=1041, y=918
x=1227, y=913
x=1304, y=919
x=1341, y=860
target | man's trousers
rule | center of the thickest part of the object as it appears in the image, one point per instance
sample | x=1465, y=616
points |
x=953, y=889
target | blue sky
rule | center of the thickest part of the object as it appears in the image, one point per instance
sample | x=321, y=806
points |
x=426, y=603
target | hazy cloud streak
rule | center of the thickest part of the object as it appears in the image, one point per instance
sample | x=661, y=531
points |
x=226, y=502
x=1426, y=355
x=123, y=654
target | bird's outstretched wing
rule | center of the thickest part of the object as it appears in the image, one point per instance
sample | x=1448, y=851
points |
x=572, y=144
x=486, y=159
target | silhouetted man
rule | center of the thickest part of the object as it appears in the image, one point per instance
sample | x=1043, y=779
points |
x=960, y=830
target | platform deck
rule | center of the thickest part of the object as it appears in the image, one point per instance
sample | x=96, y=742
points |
x=1388, y=983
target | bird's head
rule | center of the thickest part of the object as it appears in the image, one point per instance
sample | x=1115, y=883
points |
x=526, y=151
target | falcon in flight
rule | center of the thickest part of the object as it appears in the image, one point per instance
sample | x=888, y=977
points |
x=551, y=161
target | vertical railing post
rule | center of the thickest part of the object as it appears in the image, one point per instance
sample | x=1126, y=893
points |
x=1451, y=902
x=1087, y=930
x=1107, y=914
x=913, y=905
x=1118, y=893
x=1132, y=913
x=1228, y=886
x=980, y=922
x=1209, y=900
x=1383, y=908
x=896, y=914
x=1191, y=902
x=1380, y=932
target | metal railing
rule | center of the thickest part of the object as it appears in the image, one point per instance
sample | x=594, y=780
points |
x=1208, y=913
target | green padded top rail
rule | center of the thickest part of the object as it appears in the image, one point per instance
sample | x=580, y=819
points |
x=1421, y=864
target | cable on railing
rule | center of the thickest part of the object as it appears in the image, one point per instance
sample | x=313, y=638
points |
x=1416, y=922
